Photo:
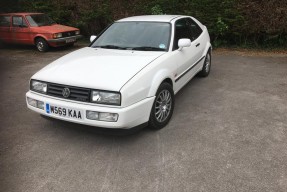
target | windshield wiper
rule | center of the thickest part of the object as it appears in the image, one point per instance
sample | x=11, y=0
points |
x=145, y=48
x=110, y=47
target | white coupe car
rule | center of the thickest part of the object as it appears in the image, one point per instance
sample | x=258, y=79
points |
x=127, y=77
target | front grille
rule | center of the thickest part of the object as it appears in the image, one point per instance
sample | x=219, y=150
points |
x=76, y=93
x=69, y=34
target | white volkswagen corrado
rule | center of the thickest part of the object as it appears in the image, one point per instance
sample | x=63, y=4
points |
x=127, y=77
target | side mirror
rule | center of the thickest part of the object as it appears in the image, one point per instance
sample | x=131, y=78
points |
x=92, y=38
x=183, y=43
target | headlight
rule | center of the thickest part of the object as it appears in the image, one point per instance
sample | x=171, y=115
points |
x=77, y=32
x=104, y=97
x=57, y=35
x=38, y=86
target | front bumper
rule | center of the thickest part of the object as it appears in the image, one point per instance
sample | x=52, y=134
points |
x=65, y=39
x=129, y=117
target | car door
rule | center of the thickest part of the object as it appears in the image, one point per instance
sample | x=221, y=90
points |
x=5, y=28
x=20, y=30
x=200, y=42
x=186, y=58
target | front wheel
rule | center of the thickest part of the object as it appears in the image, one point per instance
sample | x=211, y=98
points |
x=41, y=45
x=162, y=108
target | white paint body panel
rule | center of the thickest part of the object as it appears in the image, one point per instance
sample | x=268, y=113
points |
x=128, y=117
x=135, y=74
x=104, y=69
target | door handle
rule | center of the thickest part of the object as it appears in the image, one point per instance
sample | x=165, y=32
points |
x=197, y=44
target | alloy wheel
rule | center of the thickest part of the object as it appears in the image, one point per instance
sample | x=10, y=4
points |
x=40, y=46
x=163, y=105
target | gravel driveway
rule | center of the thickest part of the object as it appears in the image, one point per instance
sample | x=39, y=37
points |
x=228, y=133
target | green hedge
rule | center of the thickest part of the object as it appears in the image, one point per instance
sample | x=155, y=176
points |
x=249, y=23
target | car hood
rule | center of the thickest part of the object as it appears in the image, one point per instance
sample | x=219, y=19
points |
x=56, y=28
x=96, y=68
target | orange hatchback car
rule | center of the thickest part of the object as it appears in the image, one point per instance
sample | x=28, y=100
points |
x=36, y=29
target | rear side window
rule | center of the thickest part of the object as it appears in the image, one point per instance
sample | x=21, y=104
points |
x=18, y=21
x=4, y=21
x=195, y=29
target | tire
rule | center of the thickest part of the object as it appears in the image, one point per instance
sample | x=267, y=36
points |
x=41, y=45
x=162, y=108
x=206, y=66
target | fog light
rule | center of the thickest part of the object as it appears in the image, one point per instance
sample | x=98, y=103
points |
x=101, y=116
x=40, y=105
x=93, y=115
x=35, y=103
x=32, y=102
x=112, y=117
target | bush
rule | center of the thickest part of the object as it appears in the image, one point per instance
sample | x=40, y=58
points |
x=249, y=23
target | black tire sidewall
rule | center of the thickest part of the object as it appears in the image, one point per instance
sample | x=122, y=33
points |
x=203, y=73
x=153, y=122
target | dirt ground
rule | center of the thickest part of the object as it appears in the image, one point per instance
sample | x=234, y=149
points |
x=228, y=133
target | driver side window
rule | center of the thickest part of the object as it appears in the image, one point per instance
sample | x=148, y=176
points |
x=185, y=28
x=182, y=30
x=18, y=21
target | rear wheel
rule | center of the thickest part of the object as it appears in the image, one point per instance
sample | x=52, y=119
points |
x=206, y=66
x=41, y=44
x=162, y=108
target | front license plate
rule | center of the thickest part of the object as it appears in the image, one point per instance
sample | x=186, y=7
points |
x=63, y=111
x=70, y=40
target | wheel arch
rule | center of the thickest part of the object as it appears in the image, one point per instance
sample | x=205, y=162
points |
x=159, y=78
x=208, y=48
x=39, y=36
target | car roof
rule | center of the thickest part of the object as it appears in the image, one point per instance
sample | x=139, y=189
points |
x=154, y=18
x=26, y=13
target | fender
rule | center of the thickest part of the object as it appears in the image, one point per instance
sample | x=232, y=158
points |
x=147, y=81
x=39, y=35
x=158, y=78
x=136, y=89
x=207, y=48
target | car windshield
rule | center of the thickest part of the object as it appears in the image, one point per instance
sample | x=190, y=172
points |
x=38, y=20
x=142, y=36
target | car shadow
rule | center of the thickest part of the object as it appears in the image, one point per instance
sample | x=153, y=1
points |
x=74, y=127
x=192, y=83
